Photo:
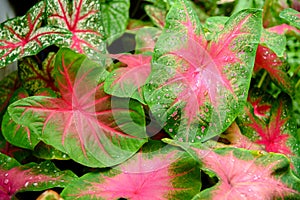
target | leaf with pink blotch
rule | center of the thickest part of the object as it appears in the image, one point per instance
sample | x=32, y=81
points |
x=193, y=89
x=163, y=174
x=89, y=125
x=269, y=123
x=16, y=178
x=247, y=175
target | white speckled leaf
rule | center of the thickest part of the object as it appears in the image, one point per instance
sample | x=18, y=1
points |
x=22, y=36
x=83, y=19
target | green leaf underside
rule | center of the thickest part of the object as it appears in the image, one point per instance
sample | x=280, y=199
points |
x=87, y=124
x=23, y=36
x=30, y=177
x=115, y=15
x=83, y=19
x=244, y=174
x=168, y=175
x=194, y=84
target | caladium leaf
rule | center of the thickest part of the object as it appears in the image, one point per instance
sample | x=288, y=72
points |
x=24, y=36
x=247, y=174
x=193, y=89
x=269, y=123
x=115, y=16
x=83, y=19
x=8, y=86
x=48, y=152
x=160, y=175
x=86, y=123
x=276, y=68
x=128, y=81
x=292, y=16
x=157, y=15
x=145, y=40
x=30, y=177
x=34, y=75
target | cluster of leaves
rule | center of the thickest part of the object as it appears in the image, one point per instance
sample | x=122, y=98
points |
x=205, y=105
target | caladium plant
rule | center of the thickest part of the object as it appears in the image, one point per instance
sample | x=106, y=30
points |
x=203, y=104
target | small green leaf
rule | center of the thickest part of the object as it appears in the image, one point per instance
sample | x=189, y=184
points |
x=115, y=16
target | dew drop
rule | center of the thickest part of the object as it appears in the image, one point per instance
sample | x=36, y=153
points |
x=6, y=174
x=26, y=184
x=6, y=181
x=35, y=184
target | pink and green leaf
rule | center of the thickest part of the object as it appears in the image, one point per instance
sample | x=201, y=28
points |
x=146, y=39
x=24, y=36
x=292, y=16
x=36, y=75
x=157, y=15
x=115, y=16
x=30, y=177
x=128, y=81
x=276, y=67
x=247, y=174
x=168, y=174
x=269, y=123
x=82, y=18
x=193, y=87
x=89, y=125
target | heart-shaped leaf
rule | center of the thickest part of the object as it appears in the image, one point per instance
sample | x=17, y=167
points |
x=165, y=174
x=193, y=89
x=115, y=16
x=83, y=19
x=269, y=123
x=128, y=81
x=90, y=126
x=30, y=177
x=24, y=36
x=246, y=174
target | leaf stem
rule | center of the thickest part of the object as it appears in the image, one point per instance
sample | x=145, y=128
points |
x=262, y=79
x=296, y=71
x=297, y=84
